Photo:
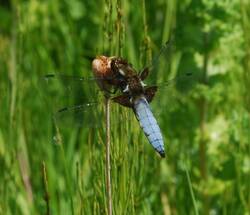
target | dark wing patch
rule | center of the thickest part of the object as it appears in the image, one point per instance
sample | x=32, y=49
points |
x=144, y=73
x=150, y=93
x=123, y=100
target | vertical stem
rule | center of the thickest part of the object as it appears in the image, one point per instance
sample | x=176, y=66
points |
x=192, y=192
x=203, y=115
x=108, y=27
x=119, y=26
x=46, y=189
x=245, y=7
x=108, y=166
x=146, y=45
x=13, y=63
x=245, y=22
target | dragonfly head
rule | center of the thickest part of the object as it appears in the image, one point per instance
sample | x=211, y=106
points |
x=101, y=66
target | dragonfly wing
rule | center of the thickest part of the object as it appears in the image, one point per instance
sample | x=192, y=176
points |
x=123, y=100
x=69, y=77
x=70, y=85
x=171, y=97
x=180, y=81
x=150, y=93
x=82, y=115
x=144, y=74
x=74, y=94
x=73, y=101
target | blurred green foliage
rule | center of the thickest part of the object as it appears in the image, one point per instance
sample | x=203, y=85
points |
x=47, y=168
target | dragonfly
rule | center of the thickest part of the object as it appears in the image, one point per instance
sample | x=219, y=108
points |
x=115, y=75
x=119, y=74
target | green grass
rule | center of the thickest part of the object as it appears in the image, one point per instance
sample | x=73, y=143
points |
x=59, y=168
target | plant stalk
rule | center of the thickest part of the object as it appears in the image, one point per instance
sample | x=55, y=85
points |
x=46, y=189
x=203, y=141
x=108, y=166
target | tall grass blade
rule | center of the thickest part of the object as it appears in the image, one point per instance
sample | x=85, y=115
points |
x=107, y=164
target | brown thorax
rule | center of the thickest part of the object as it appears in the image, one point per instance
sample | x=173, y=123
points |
x=116, y=72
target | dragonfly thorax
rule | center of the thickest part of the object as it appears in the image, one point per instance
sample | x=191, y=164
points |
x=134, y=85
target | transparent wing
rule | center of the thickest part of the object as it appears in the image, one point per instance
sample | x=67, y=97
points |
x=70, y=84
x=172, y=96
x=85, y=115
x=77, y=101
x=64, y=77
x=181, y=82
x=74, y=101
x=71, y=100
x=65, y=90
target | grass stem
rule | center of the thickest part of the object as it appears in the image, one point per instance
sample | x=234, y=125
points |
x=46, y=189
x=108, y=166
x=191, y=191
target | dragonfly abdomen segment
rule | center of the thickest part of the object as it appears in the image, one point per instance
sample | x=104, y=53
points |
x=149, y=124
